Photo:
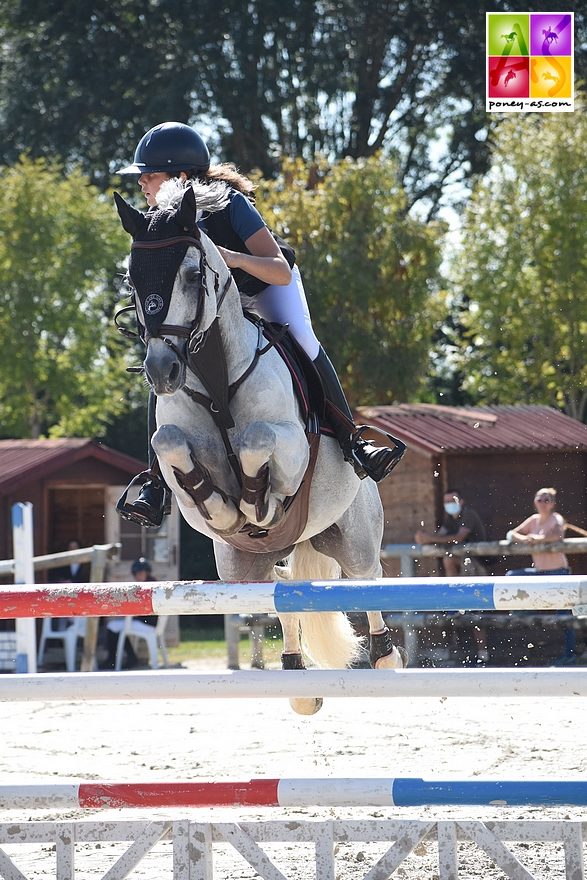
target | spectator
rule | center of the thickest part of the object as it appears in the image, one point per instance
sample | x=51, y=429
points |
x=460, y=524
x=73, y=572
x=546, y=525
x=141, y=571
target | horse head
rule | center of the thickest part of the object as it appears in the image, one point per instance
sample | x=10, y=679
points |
x=166, y=270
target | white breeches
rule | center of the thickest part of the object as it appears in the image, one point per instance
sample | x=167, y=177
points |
x=286, y=304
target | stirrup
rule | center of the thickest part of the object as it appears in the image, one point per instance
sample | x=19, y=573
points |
x=383, y=440
x=127, y=511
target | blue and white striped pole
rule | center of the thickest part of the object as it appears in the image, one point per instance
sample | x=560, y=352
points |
x=530, y=593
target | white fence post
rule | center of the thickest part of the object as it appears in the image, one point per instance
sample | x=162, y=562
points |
x=24, y=573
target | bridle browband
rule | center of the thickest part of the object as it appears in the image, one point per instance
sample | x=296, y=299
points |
x=166, y=242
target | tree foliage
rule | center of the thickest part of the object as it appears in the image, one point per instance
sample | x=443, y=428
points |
x=521, y=274
x=267, y=79
x=369, y=270
x=61, y=373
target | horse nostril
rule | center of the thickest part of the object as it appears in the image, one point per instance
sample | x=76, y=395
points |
x=174, y=372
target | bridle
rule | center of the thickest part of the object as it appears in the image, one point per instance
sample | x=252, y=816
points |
x=204, y=354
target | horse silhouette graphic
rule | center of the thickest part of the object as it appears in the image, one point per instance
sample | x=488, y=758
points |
x=550, y=35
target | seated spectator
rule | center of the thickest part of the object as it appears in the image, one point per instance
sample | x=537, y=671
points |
x=543, y=526
x=141, y=571
x=74, y=572
x=460, y=524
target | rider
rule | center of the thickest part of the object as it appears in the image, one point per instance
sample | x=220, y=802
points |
x=260, y=270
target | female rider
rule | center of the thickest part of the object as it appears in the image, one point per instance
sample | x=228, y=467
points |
x=260, y=269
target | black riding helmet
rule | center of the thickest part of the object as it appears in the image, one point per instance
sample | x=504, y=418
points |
x=172, y=147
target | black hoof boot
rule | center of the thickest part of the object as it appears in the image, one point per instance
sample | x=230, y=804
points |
x=383, y=654
x=152, y=504
x=292, y=661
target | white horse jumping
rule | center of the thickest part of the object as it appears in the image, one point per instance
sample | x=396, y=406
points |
x=231, y=440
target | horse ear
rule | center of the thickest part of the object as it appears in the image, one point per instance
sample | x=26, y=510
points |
x=186, y=212
x=133, y=220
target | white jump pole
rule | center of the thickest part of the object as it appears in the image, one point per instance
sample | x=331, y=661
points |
x=253, y=684
x=24, y=573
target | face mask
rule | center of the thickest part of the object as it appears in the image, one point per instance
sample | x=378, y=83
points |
x=452, y=507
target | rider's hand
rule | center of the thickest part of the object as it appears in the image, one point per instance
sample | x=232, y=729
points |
x=231, y=258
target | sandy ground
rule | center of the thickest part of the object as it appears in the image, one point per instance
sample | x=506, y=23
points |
x=240, y=739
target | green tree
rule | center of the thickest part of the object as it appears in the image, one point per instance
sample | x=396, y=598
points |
x=521, y=274
x=61, y=372
x=370, y=270
x=266, y=79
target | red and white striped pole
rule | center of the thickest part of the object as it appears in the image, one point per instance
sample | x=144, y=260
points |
x=350, y=792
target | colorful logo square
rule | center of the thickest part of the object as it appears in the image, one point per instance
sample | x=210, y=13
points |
x=551, y=34
x=529, y=63
x=508, y=77
x=508, y=34
x=551, y=77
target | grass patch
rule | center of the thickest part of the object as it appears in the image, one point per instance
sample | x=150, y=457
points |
x=208, y=643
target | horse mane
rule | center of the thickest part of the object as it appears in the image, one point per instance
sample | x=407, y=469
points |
x=210, y=197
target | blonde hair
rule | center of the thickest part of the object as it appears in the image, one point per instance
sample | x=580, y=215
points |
x=546, y=491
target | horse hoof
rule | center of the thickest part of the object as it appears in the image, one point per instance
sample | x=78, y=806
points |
x=383, y=654
x=306, y=705
x=301, y=705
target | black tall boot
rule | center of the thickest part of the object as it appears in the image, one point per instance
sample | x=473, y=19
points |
x=367, y=458
x=154, y=499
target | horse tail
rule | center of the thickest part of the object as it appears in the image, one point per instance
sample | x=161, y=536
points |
x=328, y=638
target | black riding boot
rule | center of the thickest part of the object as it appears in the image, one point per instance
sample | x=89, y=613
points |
x=367, y=458
x=154, y=499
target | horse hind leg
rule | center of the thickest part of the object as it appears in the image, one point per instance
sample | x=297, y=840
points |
x=328, y=638
x=358, y=554
x=292, y=659
x=383, y=654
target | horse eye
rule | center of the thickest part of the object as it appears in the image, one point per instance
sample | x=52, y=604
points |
x=192, y=275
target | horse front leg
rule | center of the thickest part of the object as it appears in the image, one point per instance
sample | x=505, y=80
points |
x=273, y=460
x=191, y=481
x=291, y=659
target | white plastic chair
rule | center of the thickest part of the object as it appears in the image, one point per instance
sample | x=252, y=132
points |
x=153, y=635
x=75, y=629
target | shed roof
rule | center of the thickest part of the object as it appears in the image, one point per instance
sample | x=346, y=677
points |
x=37, y=459
x=453, y=429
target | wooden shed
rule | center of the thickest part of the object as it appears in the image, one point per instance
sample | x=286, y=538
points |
x=73, y=485
x=496, y=456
